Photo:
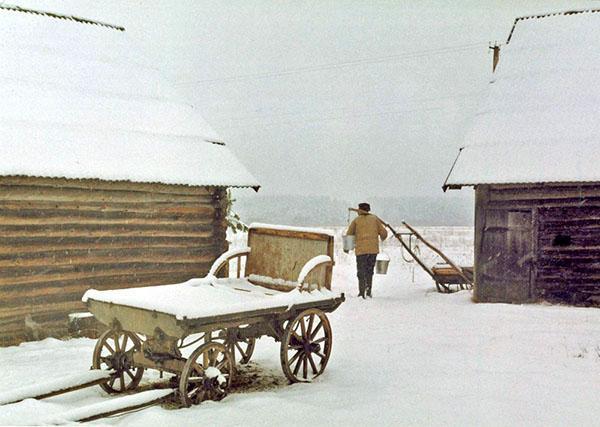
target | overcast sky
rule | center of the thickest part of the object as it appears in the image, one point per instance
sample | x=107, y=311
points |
x=349, y=99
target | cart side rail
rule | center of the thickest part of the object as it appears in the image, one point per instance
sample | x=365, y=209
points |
x=223, y=261
x=309, y=274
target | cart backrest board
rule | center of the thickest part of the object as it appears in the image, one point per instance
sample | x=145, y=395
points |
x=281, y=253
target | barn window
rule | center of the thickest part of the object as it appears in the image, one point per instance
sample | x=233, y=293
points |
x=561, y=240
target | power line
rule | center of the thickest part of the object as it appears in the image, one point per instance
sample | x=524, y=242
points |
x=343, y=64
x=351, y=114
x=336, y=65
x=343, y=116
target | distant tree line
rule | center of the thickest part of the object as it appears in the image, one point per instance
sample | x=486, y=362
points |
x=444, y=210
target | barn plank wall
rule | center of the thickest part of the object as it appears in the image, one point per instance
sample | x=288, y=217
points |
x=60, y=237
x=538, y=242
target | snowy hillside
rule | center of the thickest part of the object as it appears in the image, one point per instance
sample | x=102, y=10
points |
x=409, y=356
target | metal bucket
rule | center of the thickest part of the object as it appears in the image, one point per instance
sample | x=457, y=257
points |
x=382, y=263
x=348, y=242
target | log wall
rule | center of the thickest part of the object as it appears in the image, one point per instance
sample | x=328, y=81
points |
x=60, y=237
x=538, y=242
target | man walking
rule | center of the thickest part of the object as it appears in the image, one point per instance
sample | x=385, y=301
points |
x=366, y=229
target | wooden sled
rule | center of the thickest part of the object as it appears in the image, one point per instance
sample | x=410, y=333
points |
x=448, y=277
x=448, y=280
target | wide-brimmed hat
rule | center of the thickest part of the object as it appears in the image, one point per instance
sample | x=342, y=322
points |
x=364, y=207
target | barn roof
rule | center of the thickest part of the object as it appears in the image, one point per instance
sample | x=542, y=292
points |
x=78, y=100
x=540, y=120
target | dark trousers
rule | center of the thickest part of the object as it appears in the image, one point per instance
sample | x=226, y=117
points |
x=365, y=265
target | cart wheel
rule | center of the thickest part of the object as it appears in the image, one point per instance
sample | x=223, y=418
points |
x=306, y=346
x=114, y=350
x=206, y=374
x=240, y=349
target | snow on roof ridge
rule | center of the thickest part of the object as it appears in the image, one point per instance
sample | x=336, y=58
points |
x=132, y=181
x=548, y=14
x=74, y=18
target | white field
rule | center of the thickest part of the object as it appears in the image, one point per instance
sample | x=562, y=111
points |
x=410, y=356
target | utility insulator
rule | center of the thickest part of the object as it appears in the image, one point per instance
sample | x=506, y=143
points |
x=496, y=49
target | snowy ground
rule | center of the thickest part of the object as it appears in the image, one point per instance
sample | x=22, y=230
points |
x=409, y=356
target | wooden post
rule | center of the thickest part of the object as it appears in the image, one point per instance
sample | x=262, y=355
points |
x=481, y=207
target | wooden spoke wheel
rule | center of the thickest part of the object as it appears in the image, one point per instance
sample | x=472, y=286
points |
x=114, y=351
x=241, y=349
x=306, y=346
x=206, y=375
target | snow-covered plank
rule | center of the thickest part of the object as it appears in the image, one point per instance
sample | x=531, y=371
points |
x=52, y=387
x=111, y=407
x=273, y=283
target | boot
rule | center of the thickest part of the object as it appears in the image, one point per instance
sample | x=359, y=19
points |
x=361, y=289
x=368, y=291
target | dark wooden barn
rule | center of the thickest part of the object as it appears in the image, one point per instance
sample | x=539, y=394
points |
x=107, y=178
x=532, y=157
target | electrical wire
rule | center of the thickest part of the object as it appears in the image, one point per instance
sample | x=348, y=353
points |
x=342, y=64
x=270, y=114
x=339, y=117
x=344, y=116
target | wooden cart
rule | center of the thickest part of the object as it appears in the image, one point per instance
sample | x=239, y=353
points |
x=281, y=288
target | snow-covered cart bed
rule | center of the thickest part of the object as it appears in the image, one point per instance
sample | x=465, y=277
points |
x=278, y=286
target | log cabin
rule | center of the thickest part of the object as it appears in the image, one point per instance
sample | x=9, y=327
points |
x=108, y=178
x=532, y=156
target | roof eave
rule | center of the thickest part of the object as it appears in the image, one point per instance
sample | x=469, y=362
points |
x=254, y=186
x=16, y=8
x=452, y=187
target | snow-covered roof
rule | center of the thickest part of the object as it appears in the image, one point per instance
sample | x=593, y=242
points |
x=79, y=100
x=540, y=121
